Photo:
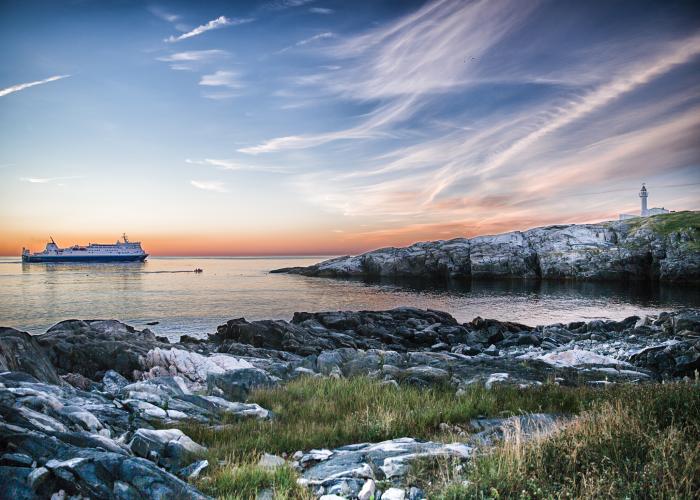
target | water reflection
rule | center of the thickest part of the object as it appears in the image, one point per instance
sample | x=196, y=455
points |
x=637, y=292
x=35, y=296
x=97, y=267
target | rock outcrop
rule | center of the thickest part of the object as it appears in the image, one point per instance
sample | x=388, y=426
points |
x=79, y=416
x=663, y=247
x=349, y=470
x=94, y=346
x=58, y=438
x=20, y=352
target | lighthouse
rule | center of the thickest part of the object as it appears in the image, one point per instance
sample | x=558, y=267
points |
x=643, y=194
x=646, y=212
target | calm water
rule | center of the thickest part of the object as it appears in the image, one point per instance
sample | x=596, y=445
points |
x=36, y=296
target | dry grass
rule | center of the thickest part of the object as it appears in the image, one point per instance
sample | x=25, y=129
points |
x=645, y=444
x=631, y=441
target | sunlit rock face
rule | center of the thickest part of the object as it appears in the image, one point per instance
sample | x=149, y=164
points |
x=664, y=247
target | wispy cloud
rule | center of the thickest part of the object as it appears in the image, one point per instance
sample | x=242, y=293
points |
x=284, y=4
x=189, y=60
x=227, y=80
x=235, y=165
x=370, y=128
x=474, y=127
x=219, y=22
x=22, y=86
x=47, y=180
x=163, y=14
x=321, y=10
x=222, y=79
x=216, y=186
x=407, y=62
x=306, y=41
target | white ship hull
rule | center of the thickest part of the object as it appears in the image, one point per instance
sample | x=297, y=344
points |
x=121, y=251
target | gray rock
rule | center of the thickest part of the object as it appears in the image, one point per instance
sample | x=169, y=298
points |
x=16, y=460
x=113, y=382
x=415, y=493
x=427, y=374
x=38, y=477
x=492, y=350
x=192, y=471
x=20, y=352
x=265, y=494
x=171, y=447
x=367, y=491
x=236, y=384
x=687, y=320
x=93, y=347
x=386, y=460
x=268, y=461
x=15, y=484
x=394, y=494
x=615, y=250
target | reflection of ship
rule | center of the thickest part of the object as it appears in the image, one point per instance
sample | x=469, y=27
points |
x=121, y=251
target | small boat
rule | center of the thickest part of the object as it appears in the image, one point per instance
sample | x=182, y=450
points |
x=199, y=270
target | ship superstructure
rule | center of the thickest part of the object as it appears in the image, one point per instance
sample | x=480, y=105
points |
x=121, y=251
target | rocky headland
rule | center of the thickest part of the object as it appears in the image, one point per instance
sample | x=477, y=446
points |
x=662, y=248
x=96, y=409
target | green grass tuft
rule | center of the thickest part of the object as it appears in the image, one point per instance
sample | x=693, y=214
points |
x=323, y=412
x=630, y=437
x=244, y=481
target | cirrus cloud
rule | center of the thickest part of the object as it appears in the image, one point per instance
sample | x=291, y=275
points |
x=22, y=86
x=219, y=22
x=216, y=186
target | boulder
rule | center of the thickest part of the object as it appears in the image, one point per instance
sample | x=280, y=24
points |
x=235, y=385
x=86, y=472
x=426, y=375
x=113, y=382
x=95, y=346
x=394, y=494
x=687, y=320
x=20, y=352
x=354, y=465
x=268, y=461
x=170, y=448
x=192, y=471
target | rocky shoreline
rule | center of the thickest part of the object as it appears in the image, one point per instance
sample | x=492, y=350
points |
x=92, y=408
x=663, y=247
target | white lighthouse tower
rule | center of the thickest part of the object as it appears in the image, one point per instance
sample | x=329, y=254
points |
x=643, y=194
x=646, y=212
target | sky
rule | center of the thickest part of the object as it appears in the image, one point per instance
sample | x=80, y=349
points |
x=331, y=127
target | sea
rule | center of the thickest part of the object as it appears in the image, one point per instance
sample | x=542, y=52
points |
x=165, y=295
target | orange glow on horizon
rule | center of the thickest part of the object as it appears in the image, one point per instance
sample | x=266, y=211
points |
x=294, y=243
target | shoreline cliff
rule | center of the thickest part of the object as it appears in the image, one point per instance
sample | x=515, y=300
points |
x=658, y=248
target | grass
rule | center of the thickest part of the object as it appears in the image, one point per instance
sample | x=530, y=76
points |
x=245, y=481
x=643, y=444
x=323, y=412
x=667, y=224
x=594, y=456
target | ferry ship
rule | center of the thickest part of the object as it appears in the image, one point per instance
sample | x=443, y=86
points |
x=121, y=251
